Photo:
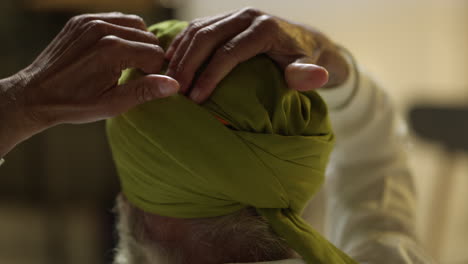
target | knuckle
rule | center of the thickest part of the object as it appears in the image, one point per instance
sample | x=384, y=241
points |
x=116, y=13
x=77, y=22
x=110, y=42
x=78, y=19
x=203, y=33
x=97, y=26
x=84, y=19
x=137, y=19
x=73, y=20
x=267, y=22
x=196, y=23
x=227, y=51
x=194, y=27
x=251, y=12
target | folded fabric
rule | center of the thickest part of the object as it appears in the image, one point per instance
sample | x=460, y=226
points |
x=176, y=159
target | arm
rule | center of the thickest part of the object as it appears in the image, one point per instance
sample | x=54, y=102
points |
x=13, y=127
x=74, y=80
x=370, y=193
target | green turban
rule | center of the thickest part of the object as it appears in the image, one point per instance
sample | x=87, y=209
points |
x=175, y=158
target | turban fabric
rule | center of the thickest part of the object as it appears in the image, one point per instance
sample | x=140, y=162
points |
x=175, y=158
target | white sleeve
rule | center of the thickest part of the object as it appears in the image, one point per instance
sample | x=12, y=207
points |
x=1, y=161
x=369, y=189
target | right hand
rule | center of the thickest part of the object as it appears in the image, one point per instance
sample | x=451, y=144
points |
x=74, y=80
x=221, y=42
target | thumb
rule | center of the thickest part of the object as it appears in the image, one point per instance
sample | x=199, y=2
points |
x=141, y=90
x=302, y=75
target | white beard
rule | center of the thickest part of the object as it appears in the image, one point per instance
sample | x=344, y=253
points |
x=130, y=249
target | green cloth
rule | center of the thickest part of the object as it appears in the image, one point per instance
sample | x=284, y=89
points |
x=176, y=159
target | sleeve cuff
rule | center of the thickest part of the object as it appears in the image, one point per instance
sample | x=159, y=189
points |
x=340, y=96
x=350, y=103
x=1, y=162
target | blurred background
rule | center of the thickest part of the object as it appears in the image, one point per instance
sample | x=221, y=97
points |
x=57, y=189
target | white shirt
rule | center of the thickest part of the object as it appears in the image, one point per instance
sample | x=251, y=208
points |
x=369, y=192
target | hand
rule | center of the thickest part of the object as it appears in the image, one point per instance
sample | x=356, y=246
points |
x=226, y=40
x=74, y=80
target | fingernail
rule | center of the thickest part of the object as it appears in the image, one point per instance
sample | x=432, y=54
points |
x=325, y=78
x=304, y=77
x=302, y=72
x=168, y=88
x=326, y=71
x=195, y=94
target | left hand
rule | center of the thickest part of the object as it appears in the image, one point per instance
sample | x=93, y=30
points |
x=227, y=40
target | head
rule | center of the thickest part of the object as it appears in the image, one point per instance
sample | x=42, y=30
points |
x=198, y=191
x=147, y=238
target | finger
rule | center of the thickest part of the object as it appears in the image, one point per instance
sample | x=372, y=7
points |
x=97, y=29
x=195, y=25
x=204, y=43
x=77, y=24
x=144, y=89
x=174, y=44
x=83, y=25
x=121, y=54
x=116, y=18
x=185, y=41
x=249, y=43
x=185, y=38
x=305, y=76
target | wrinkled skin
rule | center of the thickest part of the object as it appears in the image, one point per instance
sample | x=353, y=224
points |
x=226, y=40
x=74, y=80
x=75, y=77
